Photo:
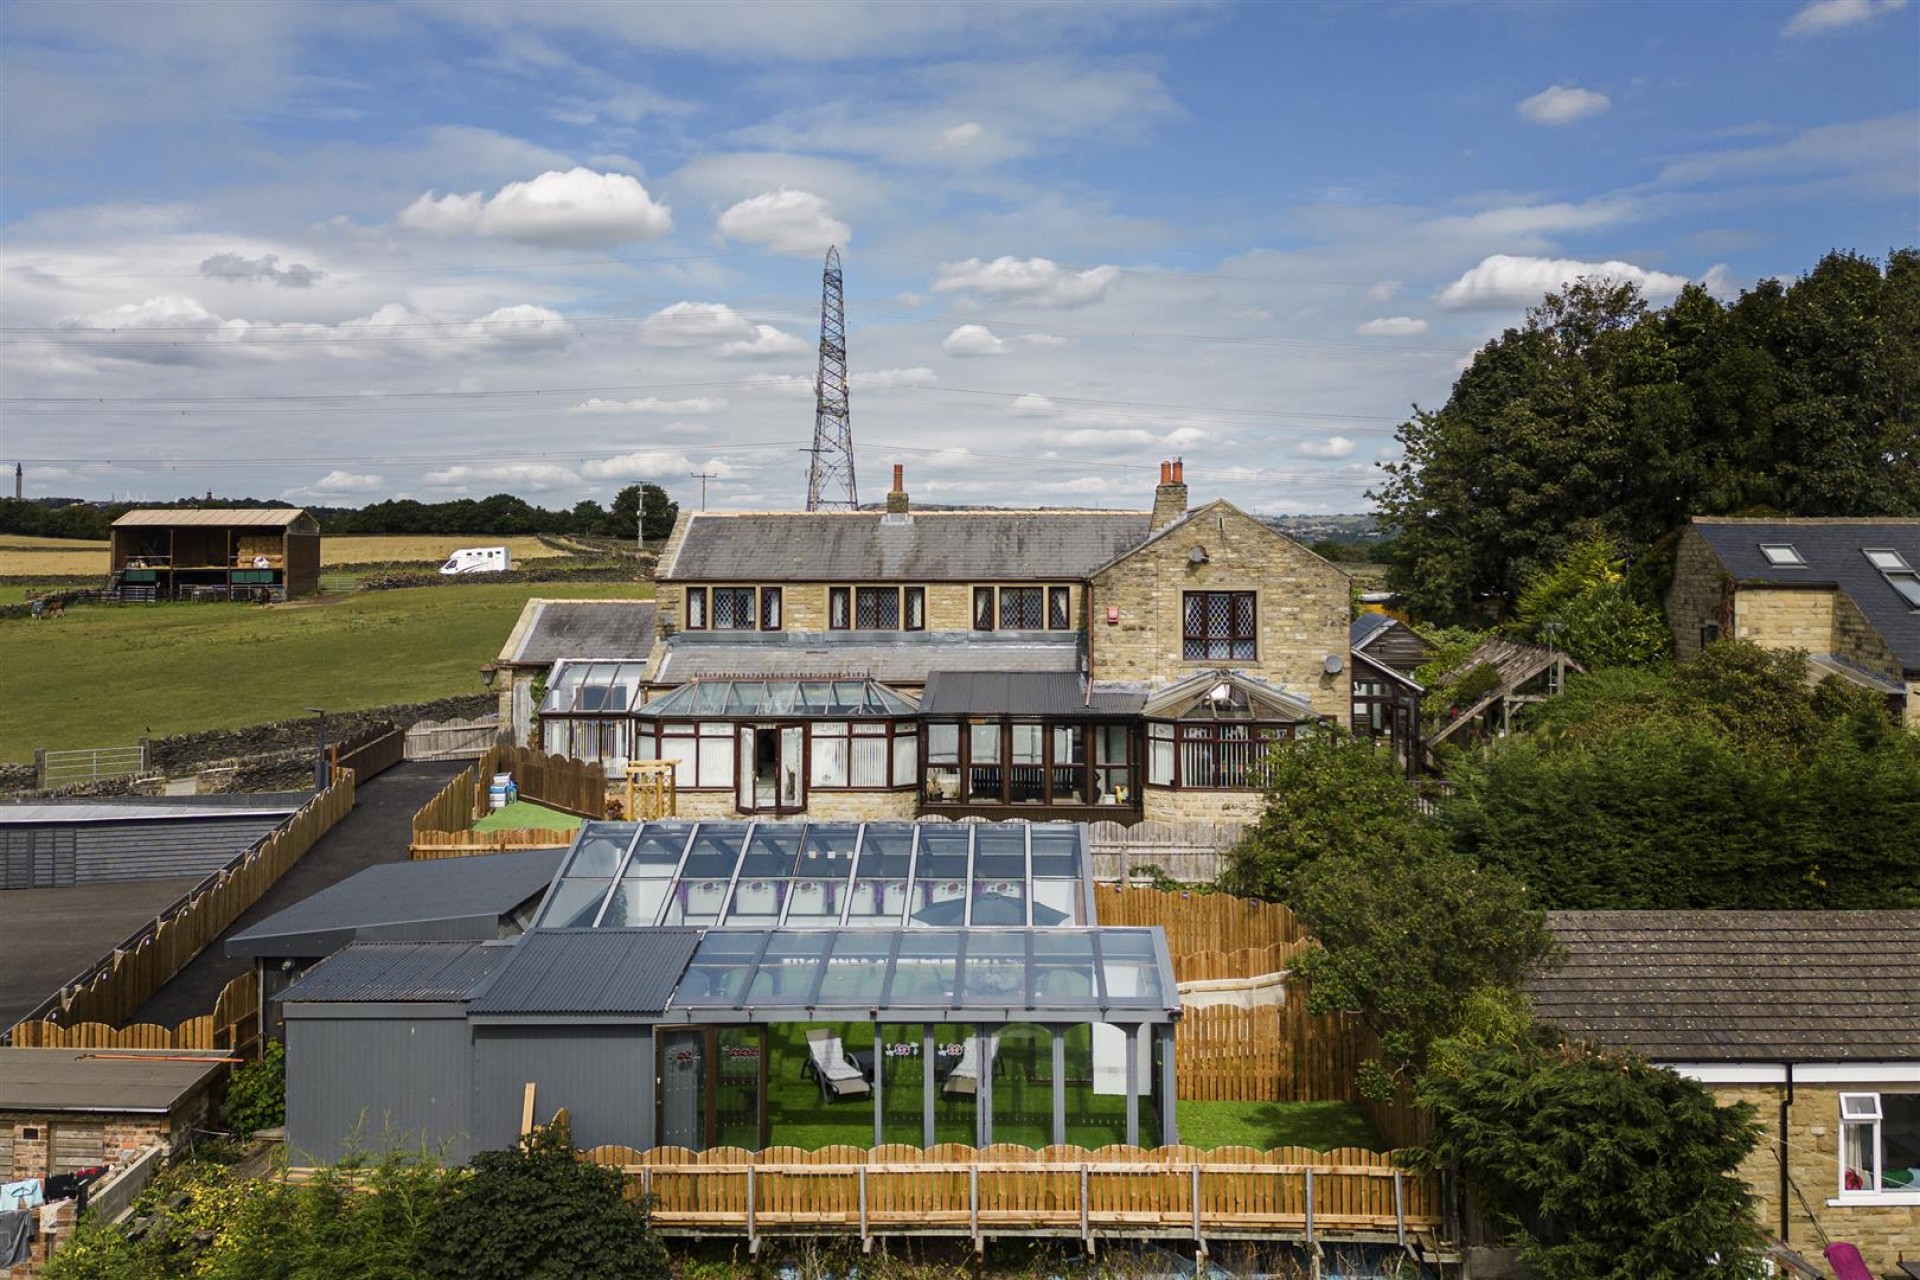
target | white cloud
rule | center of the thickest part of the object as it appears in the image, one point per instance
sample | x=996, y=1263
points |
x=919, y=376
x=1039, y=281
x=1033, y=406
x=234, y=266
x=961, y=135
x=1831, y=15
x=1383, y=291
x=1506, y=281
x=538, y=476
x=1563, y=104
x=785, y=222
x=644, y=464
x=765, y=340
x=1392, y=327
x=578, y=208
x=1329, y=448
x=649, y=405
x=716, y=325
x=347, y=482
x=973, y=340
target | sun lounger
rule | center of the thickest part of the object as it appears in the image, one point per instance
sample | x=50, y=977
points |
x=838, y=1074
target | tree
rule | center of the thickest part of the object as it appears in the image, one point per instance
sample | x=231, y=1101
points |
x=1584, y=606
x=538, y=1212
x=649, y=505
x=1603, y=1166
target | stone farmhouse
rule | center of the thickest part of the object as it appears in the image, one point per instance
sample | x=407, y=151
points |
x=1079, y=665
x=1811, y=1016
x=1847, y=591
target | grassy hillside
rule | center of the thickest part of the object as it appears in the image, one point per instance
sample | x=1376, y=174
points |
x=21, y=555
x=102, y=676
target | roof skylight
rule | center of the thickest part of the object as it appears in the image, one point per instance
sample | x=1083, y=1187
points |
x=1782, y=555
x=1899, y=574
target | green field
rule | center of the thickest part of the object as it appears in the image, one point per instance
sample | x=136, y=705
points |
x=106, y=675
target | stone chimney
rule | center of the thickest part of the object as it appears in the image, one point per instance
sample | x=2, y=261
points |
x=897, y=496
x=1170, y=499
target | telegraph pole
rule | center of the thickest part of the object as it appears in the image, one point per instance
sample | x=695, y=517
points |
x=703, y=477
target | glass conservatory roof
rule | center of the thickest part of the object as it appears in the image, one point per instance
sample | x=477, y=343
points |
x=823, y=875
x=604, y=687
x=1064, y=971
x=801, y=698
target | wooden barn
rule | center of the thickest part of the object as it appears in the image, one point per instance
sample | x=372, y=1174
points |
x=270, y=553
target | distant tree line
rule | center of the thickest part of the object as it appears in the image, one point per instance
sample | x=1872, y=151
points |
x=1602, y=417
x=646, y=508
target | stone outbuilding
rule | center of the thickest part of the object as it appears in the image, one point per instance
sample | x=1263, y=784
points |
x=1811, y=1016
x=1845, y=591
x=63, y=1110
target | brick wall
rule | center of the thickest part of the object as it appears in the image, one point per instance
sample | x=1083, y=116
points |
x=1303, y=606
x=1163, y=804
x=1697, y=596
x=1855, y=638
x=1882, y=1232
x=822, y=806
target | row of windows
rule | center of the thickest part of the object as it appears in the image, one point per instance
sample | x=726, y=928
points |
x=1215, y=625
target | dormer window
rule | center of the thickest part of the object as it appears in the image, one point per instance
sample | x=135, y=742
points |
x=1899, y=574
x=1783, y=555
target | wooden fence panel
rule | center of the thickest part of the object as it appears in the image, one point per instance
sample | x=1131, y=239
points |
x=238, y=1003
x=371, y=752
x=451, y=739
x=428, y=845
x=1200, y=922
x=1191, y=852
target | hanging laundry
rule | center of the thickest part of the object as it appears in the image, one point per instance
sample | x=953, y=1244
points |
x=24, y=1194
x=16, y=1235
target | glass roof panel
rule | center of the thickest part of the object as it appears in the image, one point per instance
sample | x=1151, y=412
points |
x=774, y=849
x=1129, y=967
x=600, y=848
x=1063, y=970
x=857, y=968
x=943, y=853
x=575, y=903
x=1000, y=853
x=749, y=698
x=716, y=848
x=923, y=971
x=722, y=964
x=995, y=971
x=789, y=969
x=1056, y=851
x=657, y=851
x=886, y=853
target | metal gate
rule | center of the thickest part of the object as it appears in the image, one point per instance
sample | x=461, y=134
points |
x=84, y=764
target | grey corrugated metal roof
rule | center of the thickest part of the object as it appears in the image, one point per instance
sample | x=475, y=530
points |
x=225, y=517
x=945, y=546
x=399, y=973
x=1835, y=555
x=589, y=971
x=1055, y=694
x=557, y=630
x=394, y=895
x=905, y=658
x=80, y=1080
x=1739, y=986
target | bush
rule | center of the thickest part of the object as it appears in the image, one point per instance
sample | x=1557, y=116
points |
x=257, y=1092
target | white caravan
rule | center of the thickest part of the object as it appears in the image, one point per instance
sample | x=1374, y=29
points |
x=479, y=560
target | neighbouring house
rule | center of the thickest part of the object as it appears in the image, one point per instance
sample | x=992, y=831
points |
x=1846, y=591
x=1497, y=680
x=1811, y=1016
x=1386, y=697
x=63, y=1110
x=554, y=631
x=1063, y=664
x=753, y=984
x=268, y=553
x=61, y=843
x=450, y=899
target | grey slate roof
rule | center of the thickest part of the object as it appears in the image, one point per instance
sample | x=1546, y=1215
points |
x=80, y=1080
x=1365, y=627
x=589, y=971
x=1739, y=986
x=413, y=901
x=1834, y=552
x=399, y=972
x=944, y=546
x=900, y=658
x=49, y=813
x=1059, y=695
x=550, y=631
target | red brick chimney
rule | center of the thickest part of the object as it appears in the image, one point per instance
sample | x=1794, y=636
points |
x=897, y=496
x=1170, y=499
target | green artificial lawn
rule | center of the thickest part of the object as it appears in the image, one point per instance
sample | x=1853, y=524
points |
x=1023, y=1110
x=106, y=675
x=525, y=815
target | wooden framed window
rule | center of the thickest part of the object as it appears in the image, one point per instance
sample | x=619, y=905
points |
x=1059, y=608
x=839, y=608
x=1218, y=624
x=983, y=608
x=733, y=609
x=696, y=609
x=876, y=608
x=1210, y=755
x=1020, y=609
x=770, y=608
x=914, y=608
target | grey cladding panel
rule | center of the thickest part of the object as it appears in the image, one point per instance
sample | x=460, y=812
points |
x=164, y=850
x=602, y=1075
x=378, y=1084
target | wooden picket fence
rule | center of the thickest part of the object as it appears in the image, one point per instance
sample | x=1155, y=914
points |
x=1248, y=962
x=115, y=988
x=1131, y=1192
x=443, y=826
x=234, y=1026
x=1202, y=923
x=370, y=752
x=429, y=845
x=558, y=782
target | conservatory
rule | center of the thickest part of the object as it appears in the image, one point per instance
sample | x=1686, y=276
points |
x=756, y=984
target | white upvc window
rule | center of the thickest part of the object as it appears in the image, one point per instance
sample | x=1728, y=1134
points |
x=1880, y=1147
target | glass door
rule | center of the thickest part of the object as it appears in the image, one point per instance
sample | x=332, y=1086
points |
x=683, y=1069
x=793, y=769
x=713, y=1083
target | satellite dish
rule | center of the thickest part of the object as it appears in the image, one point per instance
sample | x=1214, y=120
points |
x=1332, y=663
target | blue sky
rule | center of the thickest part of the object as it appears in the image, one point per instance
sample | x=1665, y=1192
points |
x=344, y=252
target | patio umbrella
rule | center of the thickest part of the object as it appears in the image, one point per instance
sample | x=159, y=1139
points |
x=988, y=909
